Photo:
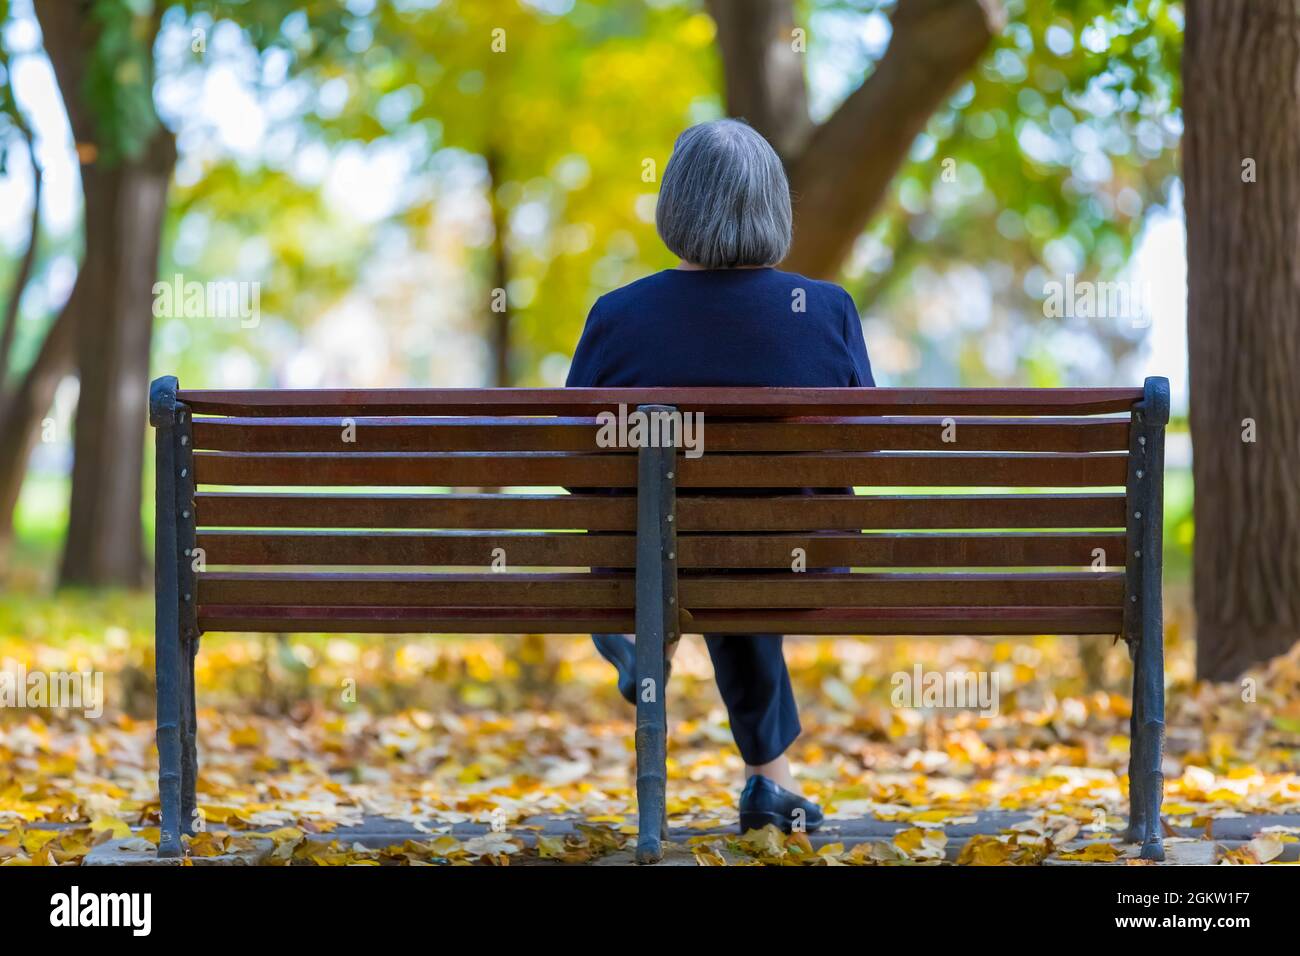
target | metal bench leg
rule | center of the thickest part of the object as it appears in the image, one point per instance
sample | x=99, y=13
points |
x=167, y=615
x=168, y=676
x=1144, y=614
x=1149, y=779
x=1149, y=698
x=186, y=571
x=651, y=753
x=189, y=753
x=656, y=617
x=1136, y=824
x=1146, y=748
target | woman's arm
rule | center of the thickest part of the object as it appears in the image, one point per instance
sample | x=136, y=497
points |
x=587, y=367
x=857, y=345
x=588, y=358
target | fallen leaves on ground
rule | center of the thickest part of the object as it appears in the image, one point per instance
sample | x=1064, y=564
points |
x=301, y=738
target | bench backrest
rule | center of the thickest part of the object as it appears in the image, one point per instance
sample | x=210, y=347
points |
x=1006, y=511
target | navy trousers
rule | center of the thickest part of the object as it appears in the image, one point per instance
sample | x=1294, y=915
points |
x=755, y=687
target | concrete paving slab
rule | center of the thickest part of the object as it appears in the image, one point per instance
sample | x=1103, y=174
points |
x=133, y=851
x=1178, y=852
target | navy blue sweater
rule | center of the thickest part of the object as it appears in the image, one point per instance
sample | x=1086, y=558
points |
x=722, y=327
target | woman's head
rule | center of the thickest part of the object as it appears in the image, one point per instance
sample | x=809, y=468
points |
x=724, y=202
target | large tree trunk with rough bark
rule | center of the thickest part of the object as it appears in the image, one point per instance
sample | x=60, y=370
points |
x=1241, y=155
x=111, y=314
x=840, y=170
x=125, y=207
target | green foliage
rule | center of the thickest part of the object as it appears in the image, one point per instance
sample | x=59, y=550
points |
x=315, y=33
x=308, y=258
x=1047, y=161
x=579, y=113
x=119, y=77
x=119, y=82
x=10, y=117
x=1063, y=117
x=572, y=109
x=1060, y=144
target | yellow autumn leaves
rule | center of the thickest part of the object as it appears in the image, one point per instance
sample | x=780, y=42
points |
x=1025, y=846
x=507, y=732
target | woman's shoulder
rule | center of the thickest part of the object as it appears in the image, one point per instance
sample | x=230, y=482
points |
x=829, y=290
x=678, y=288
x=673, y=279
x=631, y=299
x=637, y=289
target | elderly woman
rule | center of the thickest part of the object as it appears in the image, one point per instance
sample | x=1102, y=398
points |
x=726, y=316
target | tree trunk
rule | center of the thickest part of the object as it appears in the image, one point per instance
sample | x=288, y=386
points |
x=22, y=404
x=112, y=312
x=125, y=206
x=22, y=413
x=843, y=175
x=499, y=321
x=13, y=307
x=762, y=70
x=1241, y=150
x=840, y=170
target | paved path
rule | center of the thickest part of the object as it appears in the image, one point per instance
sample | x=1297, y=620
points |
x=384, y=832
x=376, y=832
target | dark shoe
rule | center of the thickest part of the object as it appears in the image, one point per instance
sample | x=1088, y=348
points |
x=763, y=802
x=621, y=652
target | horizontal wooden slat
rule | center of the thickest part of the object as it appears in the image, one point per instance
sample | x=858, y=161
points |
x=947, y=550
x=742, y=402
x=953, y=469
x=494, y=620
x=284, y=510
x=921, y=433
x=903, y=512
x=410, y=434
x=618, y=513
x=574, y=590
x=543, y=469
x=539, y=549
x=414, y=620
x=416, y=434
x=447, y=548
x=816, y=590
x=615, y=590
x=913, y=621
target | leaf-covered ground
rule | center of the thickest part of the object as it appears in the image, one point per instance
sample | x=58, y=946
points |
x=302, y=736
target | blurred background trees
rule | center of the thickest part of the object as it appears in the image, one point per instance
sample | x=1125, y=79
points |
x=379, y=168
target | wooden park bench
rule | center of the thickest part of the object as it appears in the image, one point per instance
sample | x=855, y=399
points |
x=1057, y=530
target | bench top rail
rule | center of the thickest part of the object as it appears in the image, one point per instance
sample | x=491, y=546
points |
x=738, y=402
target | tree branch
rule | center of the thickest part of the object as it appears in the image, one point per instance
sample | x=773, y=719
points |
x=68, y=35
x=763, y=75
x=22, y=409
x=24, y=274
x=840, y=178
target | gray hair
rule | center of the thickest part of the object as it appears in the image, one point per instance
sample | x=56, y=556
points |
x=724, y=201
